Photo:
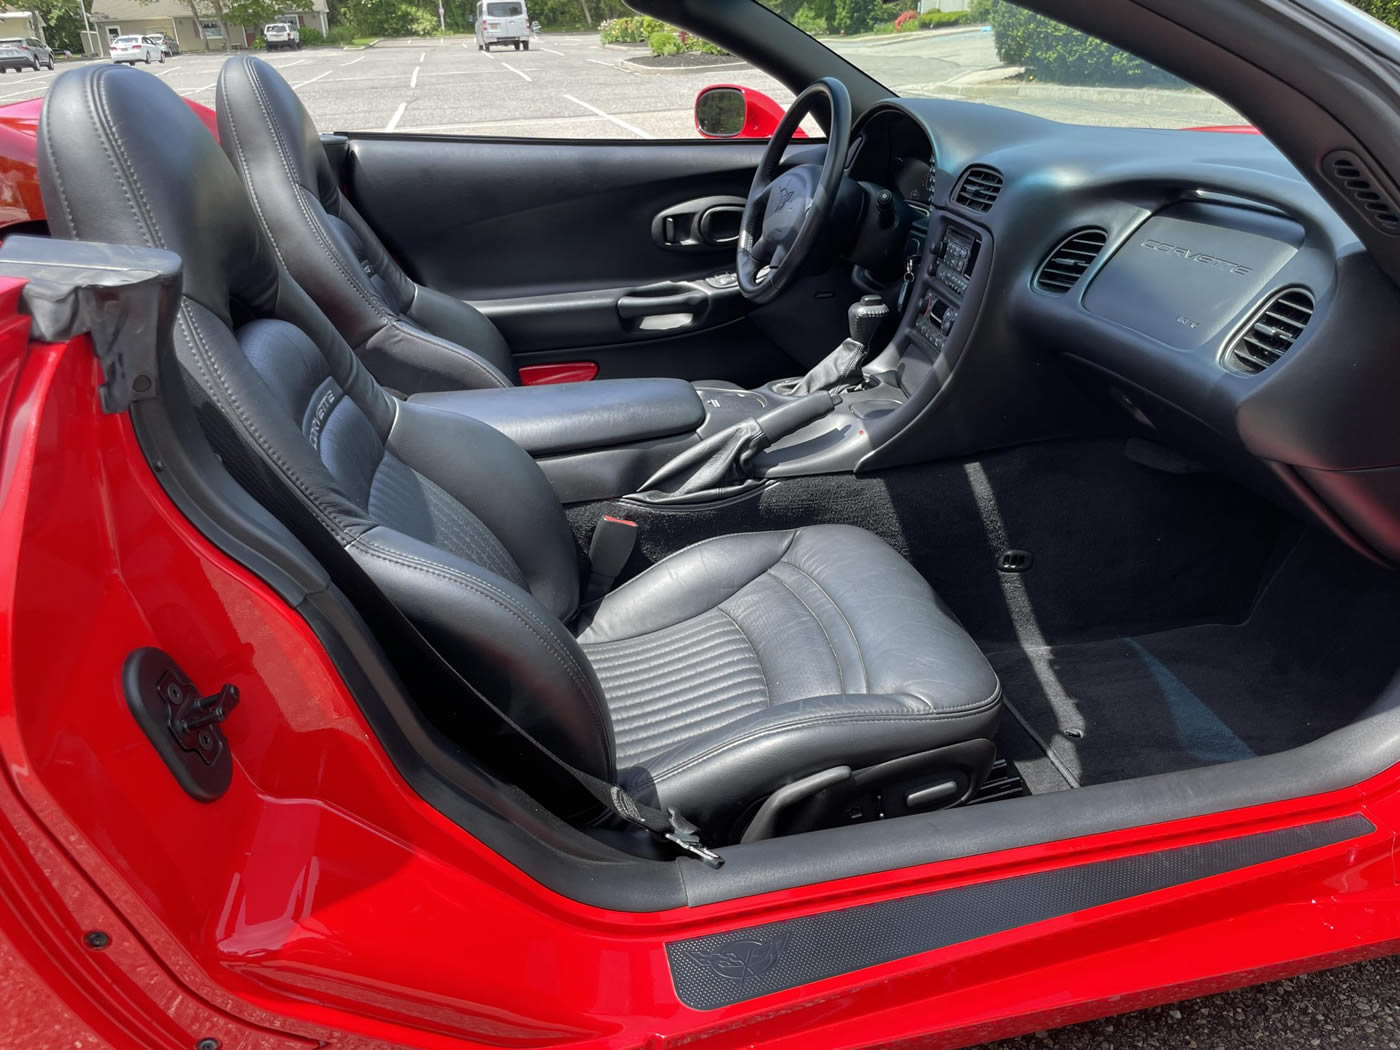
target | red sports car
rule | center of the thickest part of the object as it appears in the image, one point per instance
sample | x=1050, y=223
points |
x=952, y=596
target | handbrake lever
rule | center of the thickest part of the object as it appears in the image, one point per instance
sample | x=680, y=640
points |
x=716, y=465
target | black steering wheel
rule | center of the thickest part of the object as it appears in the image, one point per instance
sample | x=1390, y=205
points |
x=786, y=214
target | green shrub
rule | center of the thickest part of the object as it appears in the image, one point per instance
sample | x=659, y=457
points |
x=695, y=43
x=636, y=30
x=340, y=35
x=979, y=12
x=1387, y=11
x=664, y=42
x=943, y=19
x=260, y=43
x=809, y=21
x=312, y=37
x=1052, y=51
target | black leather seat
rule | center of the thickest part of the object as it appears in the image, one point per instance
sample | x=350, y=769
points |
x=412, y=338
x=720, y=674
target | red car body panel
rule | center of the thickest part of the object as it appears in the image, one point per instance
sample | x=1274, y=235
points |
x=322, y=901
x=19, y=175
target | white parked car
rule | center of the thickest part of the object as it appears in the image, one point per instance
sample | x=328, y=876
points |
x=280, y=34
x=133, y=49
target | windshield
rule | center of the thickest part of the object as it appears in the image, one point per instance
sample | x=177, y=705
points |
x=504, y=10
x=13, y=42
x=1001, y=54
x=275, y=27
x=127, y=40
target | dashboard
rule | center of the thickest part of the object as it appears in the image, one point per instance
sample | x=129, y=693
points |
x=1191, y=286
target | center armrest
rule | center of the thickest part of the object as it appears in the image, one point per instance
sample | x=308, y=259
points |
x=571, y=417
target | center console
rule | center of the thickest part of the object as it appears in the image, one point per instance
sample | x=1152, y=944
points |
x=610, y=438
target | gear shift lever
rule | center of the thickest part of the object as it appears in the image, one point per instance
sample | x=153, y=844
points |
x=844, y=364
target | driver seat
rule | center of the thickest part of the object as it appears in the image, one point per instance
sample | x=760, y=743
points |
x=412, y=338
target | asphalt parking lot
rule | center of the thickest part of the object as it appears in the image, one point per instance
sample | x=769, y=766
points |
x=570, y=86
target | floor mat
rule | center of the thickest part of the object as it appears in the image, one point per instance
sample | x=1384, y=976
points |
x=1319, y=646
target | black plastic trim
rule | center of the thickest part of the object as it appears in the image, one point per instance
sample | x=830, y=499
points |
x=734, y=966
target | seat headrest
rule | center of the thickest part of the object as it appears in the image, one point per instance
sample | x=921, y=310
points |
x=265, y=128
x=123, y=159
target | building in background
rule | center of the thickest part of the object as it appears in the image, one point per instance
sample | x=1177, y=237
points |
x=114, y=18
x=22, y=23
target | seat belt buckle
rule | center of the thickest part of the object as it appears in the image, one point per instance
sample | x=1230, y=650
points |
x=613, y=541
x=686, y=837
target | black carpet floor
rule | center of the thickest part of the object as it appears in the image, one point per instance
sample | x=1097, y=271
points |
x=1320, y=645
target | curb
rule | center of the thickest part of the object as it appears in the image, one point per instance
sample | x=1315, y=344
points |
x=630, y=66
x=889, y=39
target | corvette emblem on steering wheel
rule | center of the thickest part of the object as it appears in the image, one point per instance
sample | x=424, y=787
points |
x=784, y=195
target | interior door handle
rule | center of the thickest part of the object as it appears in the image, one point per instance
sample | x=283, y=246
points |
x=705, y=224
x=691, y=301
x=720, y=225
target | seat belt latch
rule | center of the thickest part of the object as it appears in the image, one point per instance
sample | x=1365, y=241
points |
x=613, y=542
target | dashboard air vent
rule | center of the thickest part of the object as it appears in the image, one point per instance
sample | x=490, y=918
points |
x=1272, y=331
x=979, y=188
x=1353, y=179
x=1067, y=263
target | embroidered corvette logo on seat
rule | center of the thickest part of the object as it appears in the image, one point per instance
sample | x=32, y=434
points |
x=741, y=960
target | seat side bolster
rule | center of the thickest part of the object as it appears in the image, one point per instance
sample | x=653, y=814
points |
x=683, y=585
x=501, y=639
x=405, y=357
x=498, y=482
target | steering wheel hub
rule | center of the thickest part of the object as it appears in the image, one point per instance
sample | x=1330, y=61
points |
x=787, y=212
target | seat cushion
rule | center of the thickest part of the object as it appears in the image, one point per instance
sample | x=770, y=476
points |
x=748, y=661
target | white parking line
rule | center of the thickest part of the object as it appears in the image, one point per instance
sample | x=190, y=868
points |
x=608, y=116
x=195, y=91
x=610, y=65
x=318, y=76
x=352, y=61
x=422, y=55
x=517, y=72
x=357, y=80
x=413, y=80
x=487, y=54
x=455, y=73
x=398, y=116
x=288, y=65
x=551, y=51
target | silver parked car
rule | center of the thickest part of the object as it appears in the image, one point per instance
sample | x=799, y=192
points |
x=24, y=52
x=169, y=46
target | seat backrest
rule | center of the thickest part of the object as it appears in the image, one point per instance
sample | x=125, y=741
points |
x=453, y=520
x=412, y=337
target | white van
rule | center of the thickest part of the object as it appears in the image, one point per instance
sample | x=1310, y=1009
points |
x=502, y=22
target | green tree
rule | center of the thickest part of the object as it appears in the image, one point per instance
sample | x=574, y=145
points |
x=252, y=13
x=64, y=21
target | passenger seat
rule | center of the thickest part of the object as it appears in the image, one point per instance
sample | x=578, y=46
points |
x=721, y=674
